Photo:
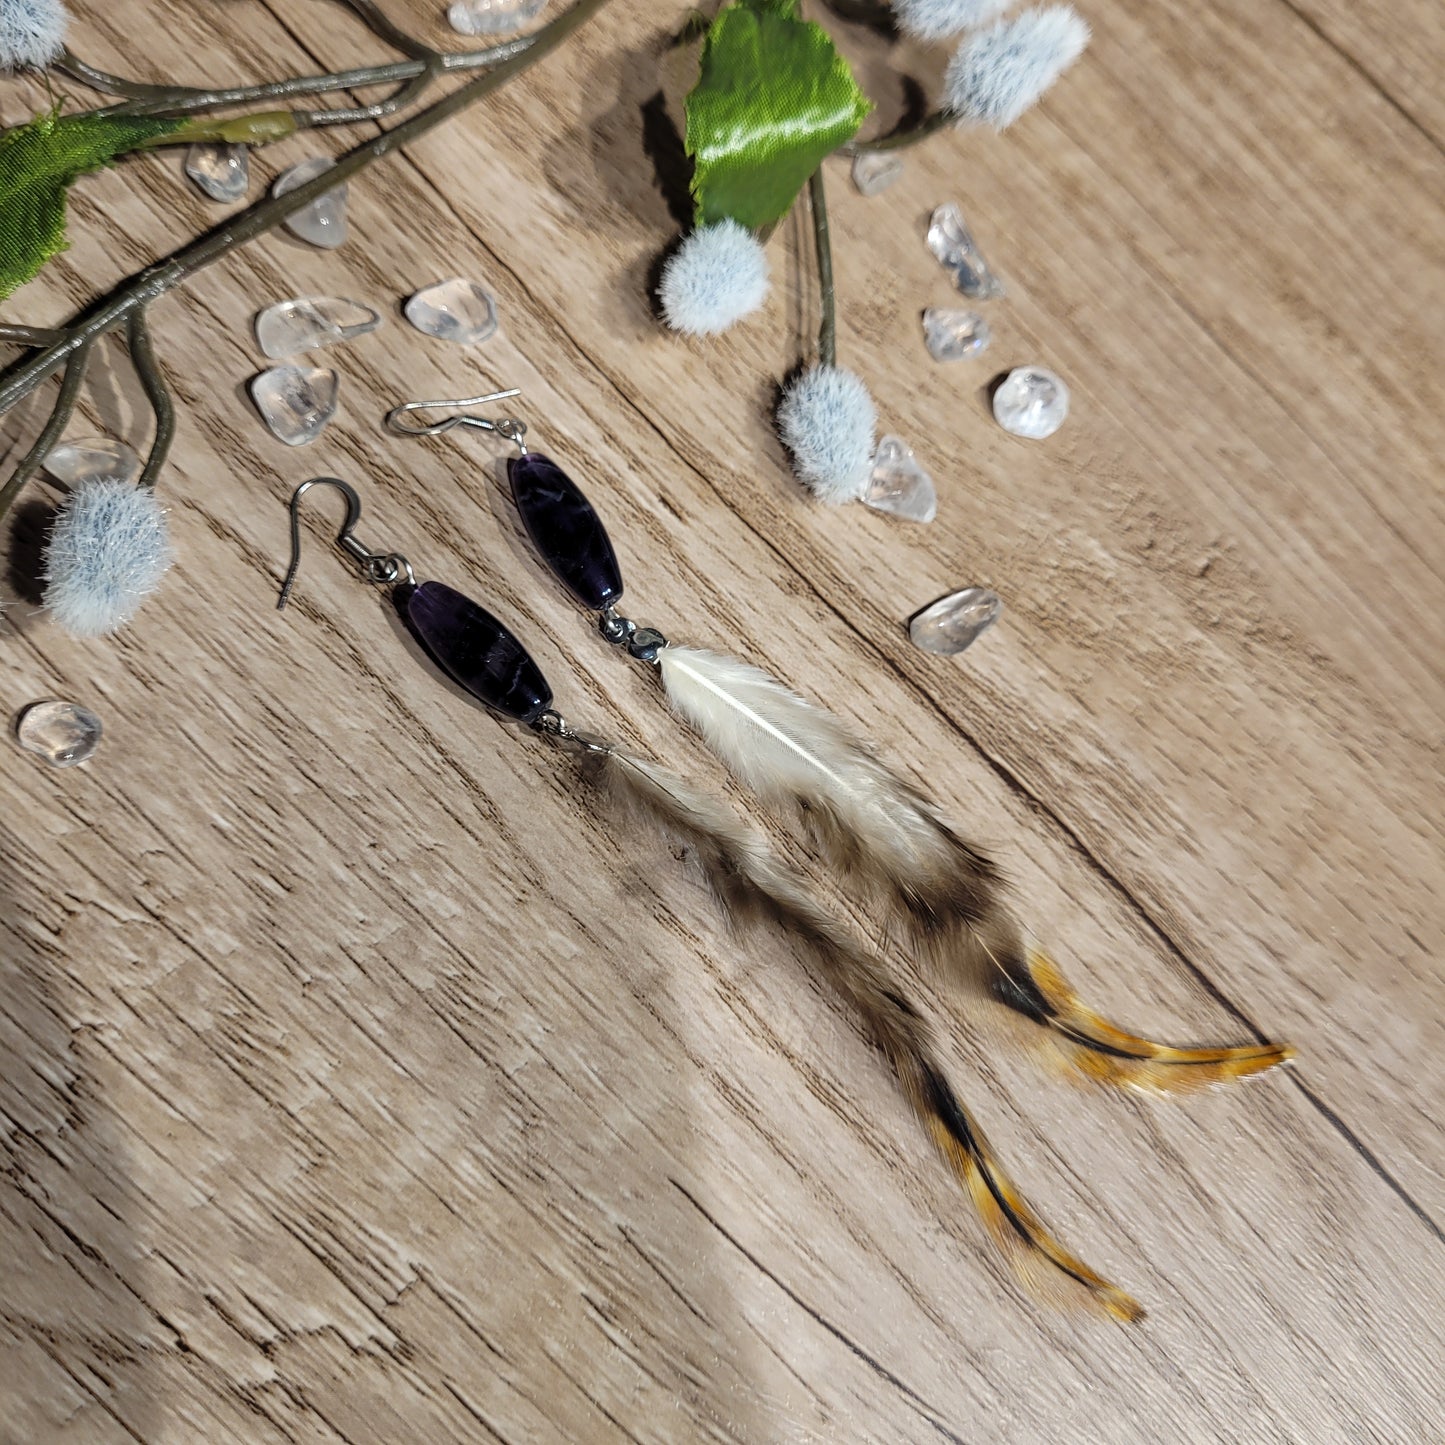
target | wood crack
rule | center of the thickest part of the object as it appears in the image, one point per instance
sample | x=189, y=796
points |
x=927, y=1411
x=1365, y=74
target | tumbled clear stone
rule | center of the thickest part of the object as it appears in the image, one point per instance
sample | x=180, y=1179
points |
x=219, y=170
x=1031, y=402
x=875, y=171
x=93, y=459
x=63, y=733
x=457, y=310
x=323, y=222
x=954, y=335
x=899, y=485
x=952, y=242
x=492, y=17
x=296, y=402
x=955, y=622
x=307, y=322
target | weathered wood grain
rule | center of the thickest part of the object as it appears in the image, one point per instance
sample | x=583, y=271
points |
x=359, y=1081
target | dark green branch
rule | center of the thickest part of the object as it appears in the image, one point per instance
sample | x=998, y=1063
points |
x=399, y=99
x=68, y=63
x=20, y=379
x=28, y=335
x=191, y=100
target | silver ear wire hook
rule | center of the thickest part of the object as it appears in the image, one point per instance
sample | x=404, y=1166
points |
x=507, y=427
x=378, y=568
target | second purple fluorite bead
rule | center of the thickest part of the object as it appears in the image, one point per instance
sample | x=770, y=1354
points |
x=565, y=530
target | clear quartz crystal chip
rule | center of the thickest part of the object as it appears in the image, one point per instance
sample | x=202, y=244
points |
x=296, y=402
x=955, y=622
x=323, y=222
x=219, y=170
x=307, y=322
x=875, y=171
x=63, y=733
x=1031, y=402
x=492, y=17
x=952, y=242
x=954, y=335
x=457, y=310
x=93, y=459
x=899, y=485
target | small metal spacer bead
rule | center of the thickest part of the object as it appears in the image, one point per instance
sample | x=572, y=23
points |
x=646, y=643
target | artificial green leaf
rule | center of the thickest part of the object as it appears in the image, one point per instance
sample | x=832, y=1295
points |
x=38, y=162
x=773, y=98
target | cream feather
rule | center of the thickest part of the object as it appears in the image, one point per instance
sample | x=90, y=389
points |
x=947, y=895
x=755, y=886
x=869, y=821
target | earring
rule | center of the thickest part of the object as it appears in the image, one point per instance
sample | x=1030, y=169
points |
x=481, y=654
x=942, y=893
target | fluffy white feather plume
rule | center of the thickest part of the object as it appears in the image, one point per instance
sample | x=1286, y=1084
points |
x=938, y=19
x=867, y=818
x=998, y=73
x=108, y=551
x=715, y=278
x=32, y=32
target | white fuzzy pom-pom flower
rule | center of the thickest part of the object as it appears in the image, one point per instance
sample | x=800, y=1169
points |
x=827, y=420
x=32, y=32
x=938, y=19
x=1000, y=72
x=716, y=277
x=108, y=551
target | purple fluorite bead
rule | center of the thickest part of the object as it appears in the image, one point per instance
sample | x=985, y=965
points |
x=476, y=650
x=565, y=530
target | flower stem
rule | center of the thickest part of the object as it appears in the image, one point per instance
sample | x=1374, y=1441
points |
x=54, y=426
x=143, y=358
x=375, y=19
x=257, y=129
x=898, y=140
x=828, y=326
x=28, y=335
x=173, y=100
x=20, y=379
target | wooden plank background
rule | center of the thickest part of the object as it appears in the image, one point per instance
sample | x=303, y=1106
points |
x=359, y=1081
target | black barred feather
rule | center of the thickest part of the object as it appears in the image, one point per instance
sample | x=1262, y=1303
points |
x=755, y=886
x=1099, y=1050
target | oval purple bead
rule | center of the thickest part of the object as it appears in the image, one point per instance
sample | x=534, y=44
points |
x=565, y=530
x=474, y=649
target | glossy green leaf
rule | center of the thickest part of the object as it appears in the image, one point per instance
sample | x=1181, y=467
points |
x=773, y=98
x=38, y=163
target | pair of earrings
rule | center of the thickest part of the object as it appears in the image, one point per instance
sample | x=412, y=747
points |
x=943, y=897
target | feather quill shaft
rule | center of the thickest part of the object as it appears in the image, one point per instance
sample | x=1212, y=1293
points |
x=755, y=886
x=947, y=894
